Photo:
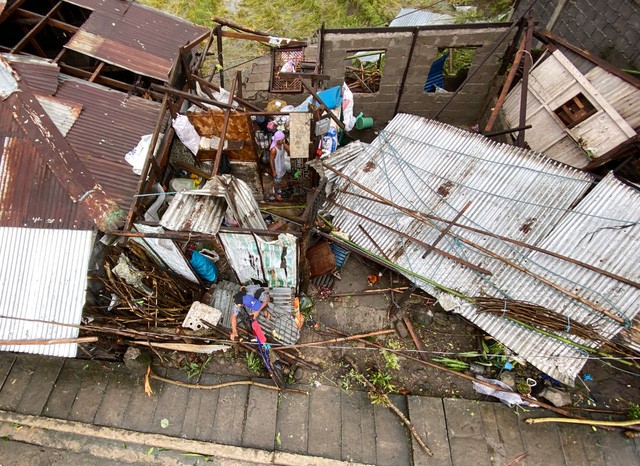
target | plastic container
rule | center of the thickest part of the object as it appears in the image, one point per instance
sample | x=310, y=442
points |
x=181, y=184
x=363, y=122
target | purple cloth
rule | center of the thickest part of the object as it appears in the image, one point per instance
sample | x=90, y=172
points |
x=279, y=136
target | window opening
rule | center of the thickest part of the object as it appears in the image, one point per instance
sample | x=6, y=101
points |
x=286, y=60
x=450, y=69
x=364, y=72
x=575, y=110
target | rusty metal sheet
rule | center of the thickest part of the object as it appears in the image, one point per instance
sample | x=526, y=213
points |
x=39, y=74
x=210, y=123
x=30, y=195
x=142, y=40
x=109, y=126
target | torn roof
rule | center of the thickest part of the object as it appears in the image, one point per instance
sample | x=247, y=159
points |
x=435, y=169
x=128, y=35
x=98, y=125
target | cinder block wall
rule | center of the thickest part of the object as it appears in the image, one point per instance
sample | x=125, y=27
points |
x=607, y=28
x=465, y=109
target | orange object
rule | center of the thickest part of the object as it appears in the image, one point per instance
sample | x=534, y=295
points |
x=299, y=318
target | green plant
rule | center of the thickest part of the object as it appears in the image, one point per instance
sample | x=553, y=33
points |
x=253, y=362
x=634, y=411
x=382, y=381
x=195, y=368
x=391, y=360
x=454, y=364
x=523, y=387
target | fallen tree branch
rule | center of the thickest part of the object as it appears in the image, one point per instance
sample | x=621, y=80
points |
x=336, y=340
x=387, y=402
x=152, y=375
x=589, y=422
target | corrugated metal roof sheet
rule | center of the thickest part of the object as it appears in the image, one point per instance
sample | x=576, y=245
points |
x=414, y=17
x=436, y=169
x=39, y=74
x=110, y=125
x=274, y=262
x=202, y=210
x=142, y=40
x=40, y=280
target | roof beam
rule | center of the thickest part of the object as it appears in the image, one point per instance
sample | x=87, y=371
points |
x=53, y=22
x=36, y=29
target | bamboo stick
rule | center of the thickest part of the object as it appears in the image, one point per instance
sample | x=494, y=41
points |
x=336, y=340
x=59, y=341
x=588, y=422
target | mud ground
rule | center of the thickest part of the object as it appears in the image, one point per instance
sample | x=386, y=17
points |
x=349, y=310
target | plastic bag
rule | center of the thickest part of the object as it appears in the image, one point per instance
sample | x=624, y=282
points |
x=509, y=398
x=186, y=133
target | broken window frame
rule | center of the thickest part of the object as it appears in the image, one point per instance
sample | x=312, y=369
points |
x=285, y=84
x=356, y=84
x=575, y=110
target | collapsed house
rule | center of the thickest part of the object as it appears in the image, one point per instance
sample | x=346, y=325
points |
x=481, y=225
x=66, y=126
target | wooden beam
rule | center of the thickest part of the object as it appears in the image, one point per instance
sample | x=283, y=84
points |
x=53, y=22
x=73, y=71
x=446, y=230
x=505, y=87
x=9, y=10
x=35, y=29
x=323, y=105
x=225, y=123
x=406, y=70
x=220, y=57
x=192, y=97
x=524, y=88
x=97, y=72
x=283, y=42
x=239, y=27
x=237, y=99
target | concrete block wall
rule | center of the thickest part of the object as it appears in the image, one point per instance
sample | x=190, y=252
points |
x=609, y=29
x=465, y=109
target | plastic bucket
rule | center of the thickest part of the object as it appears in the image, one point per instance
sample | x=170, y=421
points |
x=363, y=122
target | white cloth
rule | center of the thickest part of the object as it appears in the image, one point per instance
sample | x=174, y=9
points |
x=186, y=133
x=281, y=162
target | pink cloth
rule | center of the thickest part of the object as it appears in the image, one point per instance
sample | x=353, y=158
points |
x=279, y=136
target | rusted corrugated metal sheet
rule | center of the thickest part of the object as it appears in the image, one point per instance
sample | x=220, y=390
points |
x=42, y=281
x=436, y=169
x=210, y=123
x=31, y=127
x=142, y=40
x=110, y=125
x=39, y=74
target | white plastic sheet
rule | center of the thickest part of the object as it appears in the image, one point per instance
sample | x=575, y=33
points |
x=186, y=133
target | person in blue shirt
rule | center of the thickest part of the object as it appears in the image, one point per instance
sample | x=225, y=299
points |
x=254, y=299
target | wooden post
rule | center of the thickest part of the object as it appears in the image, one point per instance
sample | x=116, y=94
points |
x=220, y=58
x=524, y=88
x=225, y=125
x=406, y=70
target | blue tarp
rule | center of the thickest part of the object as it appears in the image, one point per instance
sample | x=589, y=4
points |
x=434, y=78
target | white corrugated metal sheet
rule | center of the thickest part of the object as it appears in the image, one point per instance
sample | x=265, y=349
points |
x=202, y=210
x=414, y=17
x=272, y=262
x=43, y=277
x=553, y=82
x=433, y=168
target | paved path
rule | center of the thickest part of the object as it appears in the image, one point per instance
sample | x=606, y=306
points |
x=258, y=425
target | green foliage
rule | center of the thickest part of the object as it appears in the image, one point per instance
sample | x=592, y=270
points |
x=254, y=364
x=195, y=368
x=198, y=11
x=391, y=360
x=634, y=411
x=454, y=364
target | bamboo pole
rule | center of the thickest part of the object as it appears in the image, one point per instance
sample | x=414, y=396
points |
x=336, y=340
x=588, y=422
x=59, y=341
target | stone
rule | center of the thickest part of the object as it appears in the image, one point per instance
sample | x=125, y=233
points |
x=556, y=397
x=136, y=360
x=509, y=378
x=477, y=368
